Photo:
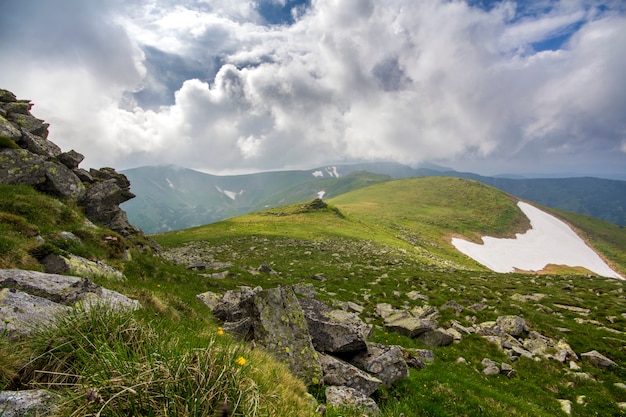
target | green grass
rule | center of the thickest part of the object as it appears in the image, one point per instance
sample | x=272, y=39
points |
x=123, y=363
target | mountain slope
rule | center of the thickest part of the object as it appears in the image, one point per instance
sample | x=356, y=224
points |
x=389, y=243
x=173, y=198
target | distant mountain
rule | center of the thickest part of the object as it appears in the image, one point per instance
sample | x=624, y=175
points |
x=173, y=198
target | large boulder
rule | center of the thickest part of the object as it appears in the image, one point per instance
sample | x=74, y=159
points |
x=384, y=362
x=29, y=298
x=338, y=372
x=335, y=331
x=280, y=327
x=101, y=202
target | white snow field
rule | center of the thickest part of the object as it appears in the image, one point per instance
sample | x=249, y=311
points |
x=549, y=241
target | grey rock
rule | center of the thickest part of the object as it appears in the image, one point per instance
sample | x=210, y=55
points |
x=62, y=289
x=7, y=129
x=306, y=290
x=38, y=145
x=83, y=175
x=335, y=331
x=349, y=397
x=384, y=362
x=101, y=202
x=452, y=305
x=437, y=338
x=232, y=305
x=21, y=167
x=338, y=372
x=598, y=360
x=71, y=159
x=241, y=329
x=406, y=324
x=513, y=325
x=418, y=358
x=77, y=265
x=28, y=403
x=210, y=299
x=489, y=328
x=279, y=326
x=23, y=314
x=491, y=370
x=29, y=123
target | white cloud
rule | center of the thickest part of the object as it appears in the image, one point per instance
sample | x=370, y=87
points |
x=402, y=80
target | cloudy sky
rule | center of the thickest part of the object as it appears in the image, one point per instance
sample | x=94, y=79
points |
x=232, y=86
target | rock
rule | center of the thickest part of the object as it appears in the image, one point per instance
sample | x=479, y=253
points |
x=491, y=370
x=38, y=402
x=407, y=325
x=77, y=265
x=452, y=305
x=384, y=362
x=489, y=328
x=70, y=159
x=461, y=359
x=528, y=297
x=306, y=290
x=231, y=306
x=210, y=299
x=425, y=312
x=38, y=145
x=579, y=310
x=335, y=331
x=280, y=327
x=8, y=130
x=23, y=314
x=241, y=329
x=598, y=360
x=566, y=406
x=349, y=397
x=338, y=372
x=620, y=385
x=101, y=202
x=418, y=358
x=416, y=295
x=437, y=338
x=21, y=167
x=513, y=325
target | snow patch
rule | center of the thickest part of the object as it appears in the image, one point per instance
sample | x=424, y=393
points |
x=320, y=194
x=549, y=241
x=318, y=174
x=169, y=183
x=332, y=171
x=230, y=194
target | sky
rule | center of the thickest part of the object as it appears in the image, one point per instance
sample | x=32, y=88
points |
x=234, y=86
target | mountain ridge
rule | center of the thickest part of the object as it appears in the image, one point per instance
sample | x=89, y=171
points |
x=205, y=198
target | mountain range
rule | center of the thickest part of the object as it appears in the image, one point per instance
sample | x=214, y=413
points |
x=175, y=198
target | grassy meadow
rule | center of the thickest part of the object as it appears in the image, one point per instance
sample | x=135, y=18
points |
x=369, y=246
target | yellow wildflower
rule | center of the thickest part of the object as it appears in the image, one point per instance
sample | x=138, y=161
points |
x=220, y=331
x=241, y=361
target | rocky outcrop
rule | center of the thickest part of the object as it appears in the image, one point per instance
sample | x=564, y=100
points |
x=27, y=157
x=31, y=299
x=318, y=342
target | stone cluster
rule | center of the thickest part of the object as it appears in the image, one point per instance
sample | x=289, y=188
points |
x=320, y=343
x=27, y=157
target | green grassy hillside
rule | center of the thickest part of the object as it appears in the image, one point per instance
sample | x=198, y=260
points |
x=377, y=243
x=372, y=245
